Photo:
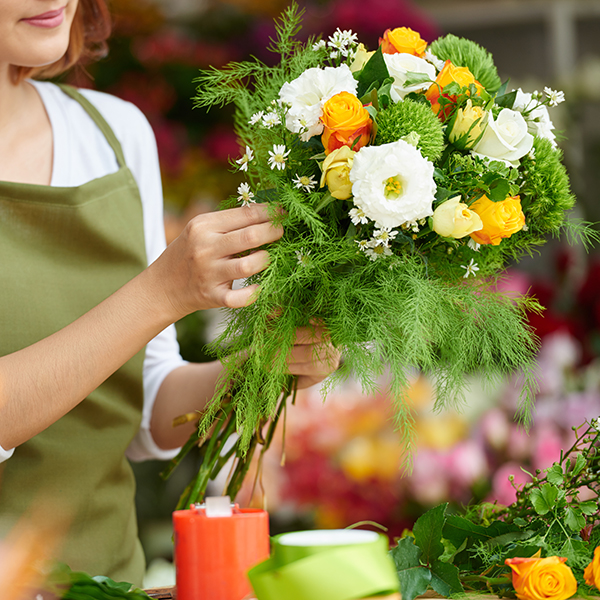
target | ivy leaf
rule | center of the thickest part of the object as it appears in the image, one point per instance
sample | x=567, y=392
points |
x=574, y=519
x=588, y=507
x=444, y=579
x=555, y=474
x=414, y=579
x=579, y=465
x=428, y=533
x=543, y=498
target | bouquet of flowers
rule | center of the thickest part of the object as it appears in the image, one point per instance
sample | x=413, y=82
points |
x=405, y=178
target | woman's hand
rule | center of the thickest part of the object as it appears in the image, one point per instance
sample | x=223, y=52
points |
x=313, y=357
x=197, y=270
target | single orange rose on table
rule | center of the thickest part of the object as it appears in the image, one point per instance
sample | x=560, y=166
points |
x=542, y=578
x=449, y=74
x=500, y=219
x=402, y=40
x=345, y=120
x=592, y=571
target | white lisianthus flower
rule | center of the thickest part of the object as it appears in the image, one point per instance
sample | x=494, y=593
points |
x=536, y=115
x=307, y=94
x=400, y=66
x=393, y=184
x=505, y=139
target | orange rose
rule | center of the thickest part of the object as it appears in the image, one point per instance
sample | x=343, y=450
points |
x=500, y=219
x=446, y=76
x=542, y=578
x=402, y=40
x=592, y=571
x=345, y=119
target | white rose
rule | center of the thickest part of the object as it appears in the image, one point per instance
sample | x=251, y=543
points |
x=393, y=183
x=536, y=115
x=505, y=139
x=399, y=66
x=307, y=94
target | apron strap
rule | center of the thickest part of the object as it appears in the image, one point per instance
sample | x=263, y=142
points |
x=98, y=119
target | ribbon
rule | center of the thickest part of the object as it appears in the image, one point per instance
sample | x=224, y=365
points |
x=325, y=565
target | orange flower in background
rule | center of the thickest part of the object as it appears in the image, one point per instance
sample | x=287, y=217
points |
x=345, y=119
x=592, y=571
x=500, y=219
x=402, y=40
x=446, y=76
x=542, y=578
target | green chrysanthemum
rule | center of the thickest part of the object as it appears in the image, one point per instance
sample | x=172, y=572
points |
x=465, y=53
x=547, y=190
x=408, y=117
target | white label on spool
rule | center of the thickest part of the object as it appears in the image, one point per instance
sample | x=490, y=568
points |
x=218, y=506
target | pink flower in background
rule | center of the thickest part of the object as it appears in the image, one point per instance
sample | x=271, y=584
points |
x=503, y=490
x=547, y=444
x=519, y=443
x=495, y=428
x=467, y=464
x=429, y=482
x=221, y=143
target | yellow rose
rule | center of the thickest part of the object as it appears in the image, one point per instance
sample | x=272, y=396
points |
x=469, y=120
x=500, y=219
x=345, y=119
x=402, y=40
x=542, y=578
x=454, y=219
x=446, y=76
x=592, y=571
x=361, y=58
x=336, y=172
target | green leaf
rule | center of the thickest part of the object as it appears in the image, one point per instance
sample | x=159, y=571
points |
x=445, y=579
x=428, y=533
x=507, y=100
x=452, y=89
x=374, y=73
x=458, y=529
x=414, y=579
x=574, y=519
x=413, y=78
x=499, y=190
x=544, y=498
x=579, y=465
x=576, y=553
x=588, y=507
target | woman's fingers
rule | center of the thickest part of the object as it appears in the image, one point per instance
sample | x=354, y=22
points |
x=253, y=236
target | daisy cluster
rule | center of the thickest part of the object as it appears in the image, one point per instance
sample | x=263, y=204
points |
x=418, y=147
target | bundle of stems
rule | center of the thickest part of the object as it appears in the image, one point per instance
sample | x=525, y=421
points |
x=221, y=445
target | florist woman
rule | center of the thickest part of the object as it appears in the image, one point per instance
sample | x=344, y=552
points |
x=89, y=366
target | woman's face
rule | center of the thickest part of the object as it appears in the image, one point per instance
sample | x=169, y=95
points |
x=34, y=33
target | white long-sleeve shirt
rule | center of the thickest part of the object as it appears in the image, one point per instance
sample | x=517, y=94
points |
x=81, y=153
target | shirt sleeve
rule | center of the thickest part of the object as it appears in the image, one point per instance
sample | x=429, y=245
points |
x=162, y=353
x=5, y=454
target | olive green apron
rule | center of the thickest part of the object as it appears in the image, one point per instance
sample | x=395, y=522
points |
x=63, y=251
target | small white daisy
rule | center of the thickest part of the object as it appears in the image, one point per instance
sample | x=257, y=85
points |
x=473, y=245
x=243, y=162
x=245, y=196
x=341, y=41
x=363, y=244
x=525, y=228
x=303, y=257
x=270, y=119
x=378, y=252
x=319, y=45
x=531, y=154
x=304, y=183
x=358, y=217
x=384, y=236
x=278, y=156
x=554, y=97
x=334, y=54
x=471, y=269
x=256, y=117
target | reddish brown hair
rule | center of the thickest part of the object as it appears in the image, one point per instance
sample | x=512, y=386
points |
x=89, y=31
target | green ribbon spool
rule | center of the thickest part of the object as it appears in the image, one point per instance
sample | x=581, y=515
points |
x=338, y=564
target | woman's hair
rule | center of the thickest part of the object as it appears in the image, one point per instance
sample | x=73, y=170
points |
x=89, y=31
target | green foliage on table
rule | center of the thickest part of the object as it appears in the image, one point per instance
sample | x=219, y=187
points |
x=455, y=553
x=76, y=585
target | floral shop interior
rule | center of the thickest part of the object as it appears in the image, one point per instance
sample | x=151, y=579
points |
x=488, y=423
